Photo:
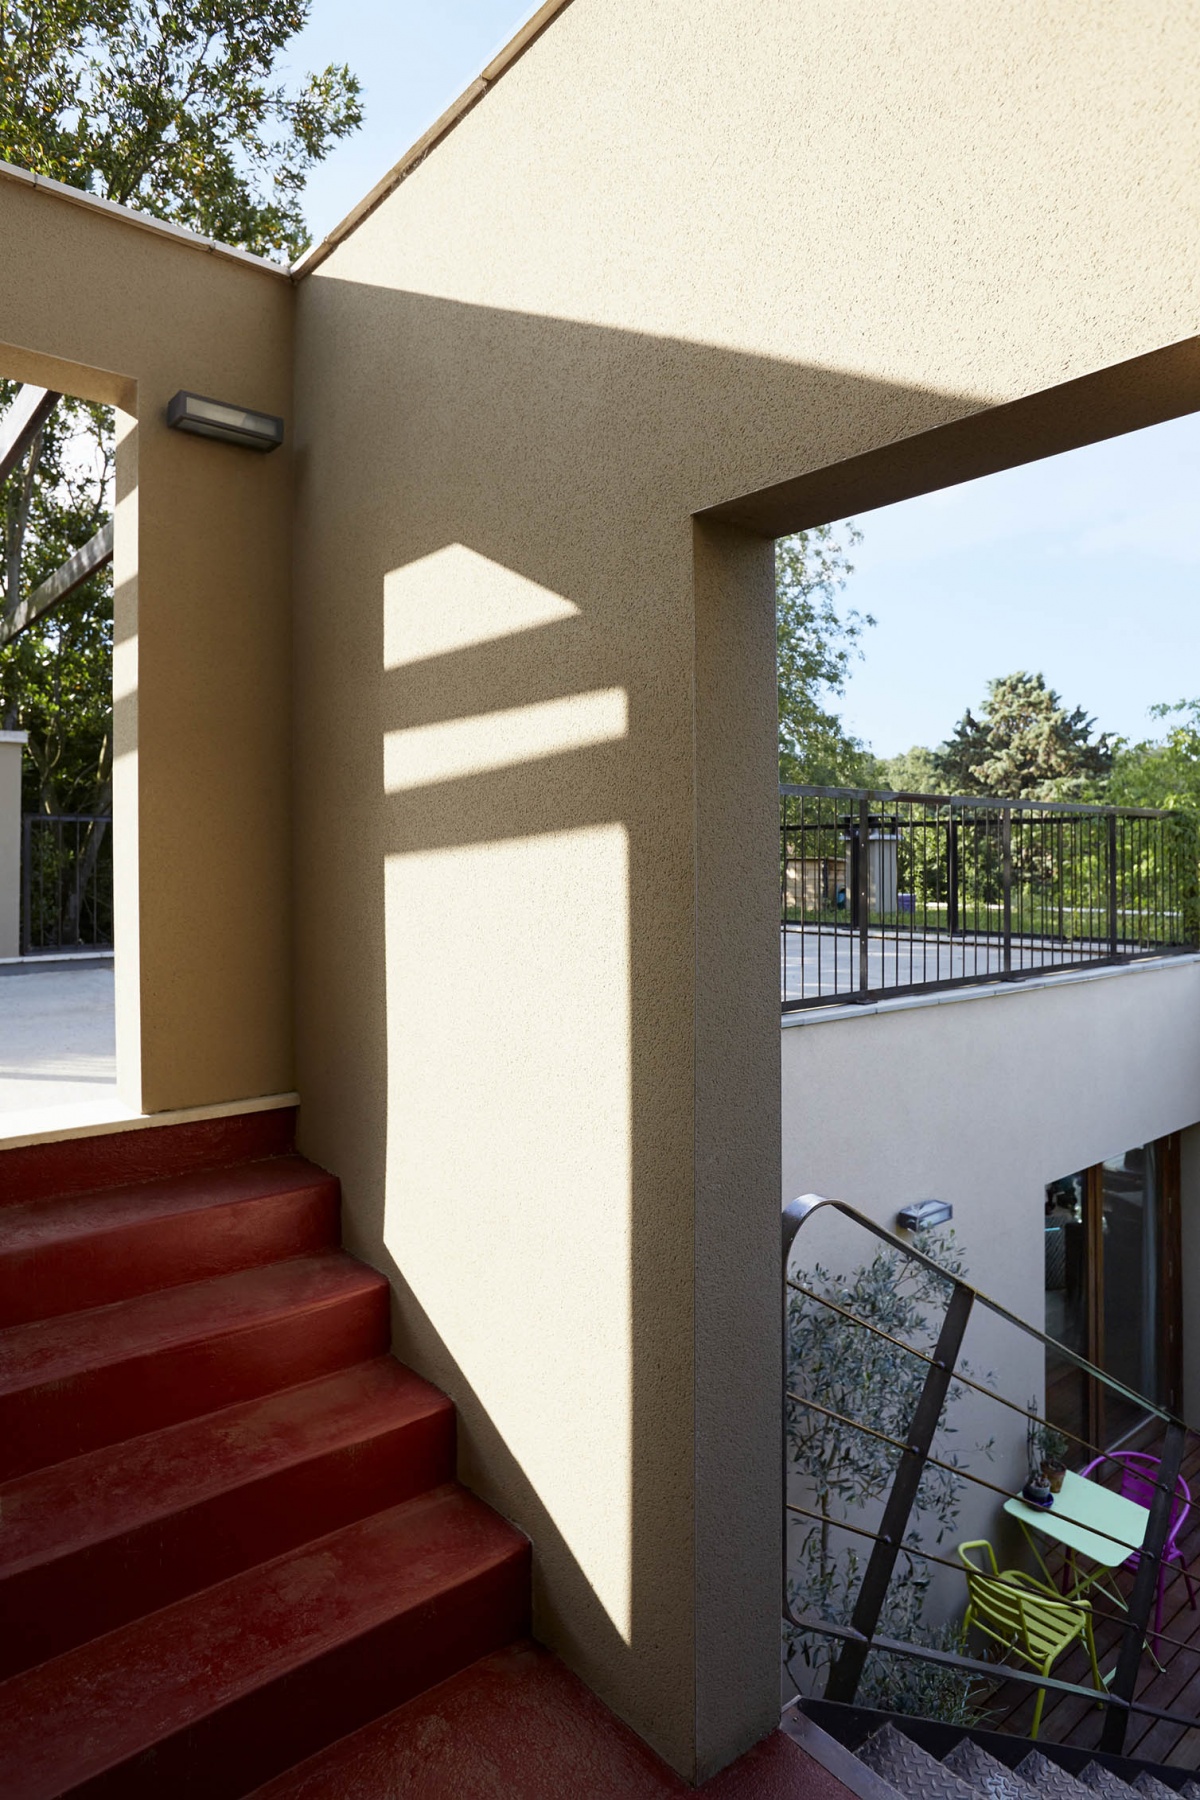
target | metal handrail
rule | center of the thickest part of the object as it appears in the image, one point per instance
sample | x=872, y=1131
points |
x=886, y=893
x=862, y=1635
x=986, y=802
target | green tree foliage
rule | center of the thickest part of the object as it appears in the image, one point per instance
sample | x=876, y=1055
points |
x=912, y=772
x=843, y=1476
x=175, y=109
x=816, y=643
x=1163, y=772
x=1024, y=745
x=172, y=108
x=54, y=678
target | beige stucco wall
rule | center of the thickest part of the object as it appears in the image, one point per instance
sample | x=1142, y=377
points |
x=677, y=254
x=981, y=1099
x=96, y=305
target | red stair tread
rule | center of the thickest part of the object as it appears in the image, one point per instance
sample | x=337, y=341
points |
x=169, y=1675
x=57, y=1255
x=96, y=1541
x=70, y=1384
x=80, y=1165
x=52, y=1350
x=519, y=1724
x=77, y=1504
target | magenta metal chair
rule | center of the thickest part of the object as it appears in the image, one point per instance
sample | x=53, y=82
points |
x=1139, y=1476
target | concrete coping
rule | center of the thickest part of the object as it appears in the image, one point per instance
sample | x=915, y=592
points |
x=130, y=215
x=528, y=32
x=990, y=990
x=14, y=737
x=52, y=1124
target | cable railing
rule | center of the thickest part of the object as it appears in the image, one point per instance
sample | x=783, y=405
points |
x=889, y=894
x=889, y=1519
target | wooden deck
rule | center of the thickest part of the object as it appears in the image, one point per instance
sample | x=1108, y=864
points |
x=1067, y=1720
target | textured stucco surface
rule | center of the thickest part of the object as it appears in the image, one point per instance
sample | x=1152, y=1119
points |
x=677, y=255
x=98, y=307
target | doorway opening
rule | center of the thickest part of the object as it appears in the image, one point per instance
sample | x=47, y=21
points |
x=57, y=939
x=1113, y=1295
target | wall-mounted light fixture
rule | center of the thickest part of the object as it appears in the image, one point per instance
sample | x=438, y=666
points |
x=925, y=1213
x=231, y=424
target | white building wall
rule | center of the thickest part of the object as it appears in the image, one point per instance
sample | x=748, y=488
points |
x=980, y=1098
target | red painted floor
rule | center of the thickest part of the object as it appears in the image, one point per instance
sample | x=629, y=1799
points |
x=519, y=1726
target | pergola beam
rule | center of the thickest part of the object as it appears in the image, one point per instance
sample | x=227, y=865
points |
x=73, y=573
x=26, y=416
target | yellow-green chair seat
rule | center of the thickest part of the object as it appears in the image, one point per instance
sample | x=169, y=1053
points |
x=1030, y=1619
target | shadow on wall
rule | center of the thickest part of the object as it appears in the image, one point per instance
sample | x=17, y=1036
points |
x=538, y=931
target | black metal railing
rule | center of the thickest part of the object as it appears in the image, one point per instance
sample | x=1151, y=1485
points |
x=861, y=1631
x=888, y=894
x=66, y=883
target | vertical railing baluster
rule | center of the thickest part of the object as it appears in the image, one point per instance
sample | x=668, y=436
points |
x=1112, y=884
x=864, y=894
x=27, y=884
x=846, y=1672
x=1006, y=883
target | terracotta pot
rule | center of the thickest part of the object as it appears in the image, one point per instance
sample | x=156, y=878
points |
x=1054, y=1473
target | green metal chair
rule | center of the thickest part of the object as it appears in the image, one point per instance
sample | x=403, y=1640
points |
x=1027, y=1617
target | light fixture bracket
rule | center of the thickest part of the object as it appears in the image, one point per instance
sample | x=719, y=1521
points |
x=203, y=417
x=922, y=1215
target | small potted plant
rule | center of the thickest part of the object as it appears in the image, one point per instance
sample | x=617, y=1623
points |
x=1037, y=1490
x=1047, y=1453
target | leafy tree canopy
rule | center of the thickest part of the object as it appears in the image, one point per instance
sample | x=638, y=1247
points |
x=1024, y=744
x=172, y=108
x=55, y=677
x=912, y=772
x=175, y=109
x=816, y=642
x=1165, y=772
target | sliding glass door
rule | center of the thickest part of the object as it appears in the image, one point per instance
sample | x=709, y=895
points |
x=1112, y=1291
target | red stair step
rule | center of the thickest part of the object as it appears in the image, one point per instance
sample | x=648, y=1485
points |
x=73, y=1384
x=90, y=1544
x=62, y=1255
x=213, y=1695
x=518, y=1724
x=79, y=1165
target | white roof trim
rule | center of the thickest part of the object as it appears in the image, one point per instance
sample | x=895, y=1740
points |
x=129, y=215
x=537, y=22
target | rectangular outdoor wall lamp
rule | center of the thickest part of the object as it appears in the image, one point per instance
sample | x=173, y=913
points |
x=231, y=424
x=925, y=1213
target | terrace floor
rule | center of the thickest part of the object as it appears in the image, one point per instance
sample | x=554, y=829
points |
x=1067, y=1720
x=57, y=1037
x=822, y=961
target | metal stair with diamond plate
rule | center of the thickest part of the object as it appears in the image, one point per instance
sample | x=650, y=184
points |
x=883, y=1757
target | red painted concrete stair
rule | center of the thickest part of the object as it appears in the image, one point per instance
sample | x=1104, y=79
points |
x=232, y=1552
x=205, y=1697
x=89, y=1544
x=229, y=1529
x=60, y=1255
x=517, y=1725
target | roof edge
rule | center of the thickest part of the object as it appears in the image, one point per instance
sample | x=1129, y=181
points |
x=527, y=34
x=129, y=215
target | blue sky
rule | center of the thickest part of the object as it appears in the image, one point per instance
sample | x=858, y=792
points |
x=1085, y=567
x=413, y=57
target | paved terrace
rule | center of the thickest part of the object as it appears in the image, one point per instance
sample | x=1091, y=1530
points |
x=57, y=1043
x=820, y=961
